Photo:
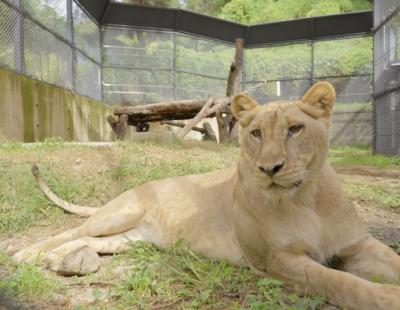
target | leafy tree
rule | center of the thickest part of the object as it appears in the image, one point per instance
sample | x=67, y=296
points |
x=263, y=11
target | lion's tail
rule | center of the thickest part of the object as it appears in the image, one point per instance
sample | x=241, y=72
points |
x=69, y=207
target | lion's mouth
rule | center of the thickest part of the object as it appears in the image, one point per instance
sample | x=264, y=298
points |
x=279, y=186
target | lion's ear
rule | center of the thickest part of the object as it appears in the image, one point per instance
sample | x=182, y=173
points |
x=319, y=100
x=241, y=104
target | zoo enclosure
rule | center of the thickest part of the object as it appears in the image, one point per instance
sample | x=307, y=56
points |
x=112, y=54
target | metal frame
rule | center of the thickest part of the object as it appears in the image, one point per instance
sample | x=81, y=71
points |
x=108, y=12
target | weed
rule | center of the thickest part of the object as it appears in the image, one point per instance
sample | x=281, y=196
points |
x=25, y=280
x=177, y=276
x=361, y=155
x=382, y=196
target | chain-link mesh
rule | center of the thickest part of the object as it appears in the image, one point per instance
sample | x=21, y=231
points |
x=87, y=76
x=383, y=9
x=387, y=77
x=278, y=90
x=343, y=57
x=50, y=13
x=86, y=33
x=133, y=86
x=387, y=128
x=38, y=42
x=46, y=57
x=278, y=62
x=387, y=55
x=204, y=57
x=193, y=86
x=7, y=36
x=138, y=65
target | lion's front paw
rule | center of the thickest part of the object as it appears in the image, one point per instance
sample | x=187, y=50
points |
x=28, y=256
x=79, y=262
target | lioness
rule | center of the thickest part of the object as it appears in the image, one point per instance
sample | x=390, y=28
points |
x=280, y=211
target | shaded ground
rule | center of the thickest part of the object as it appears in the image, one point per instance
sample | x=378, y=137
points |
x=94, y=176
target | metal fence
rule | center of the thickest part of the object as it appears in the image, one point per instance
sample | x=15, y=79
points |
x=57, y=42
x=148, y=66
x=51, y=40
x=387, y=77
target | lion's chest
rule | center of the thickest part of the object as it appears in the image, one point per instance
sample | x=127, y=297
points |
x=297, y=230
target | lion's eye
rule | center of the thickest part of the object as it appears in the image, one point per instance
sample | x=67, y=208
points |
x=294, y=130
x=256, y=133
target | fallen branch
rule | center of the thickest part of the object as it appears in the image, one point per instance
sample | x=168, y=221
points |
x=181, y=125
x=212, y=106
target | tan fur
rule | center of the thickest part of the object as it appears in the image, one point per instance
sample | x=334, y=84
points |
x=288, y=225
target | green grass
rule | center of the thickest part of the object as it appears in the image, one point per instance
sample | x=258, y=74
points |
x=173, y=277
x=378, y=194
x=353, y=155
x=24, y=280
x=178, y=278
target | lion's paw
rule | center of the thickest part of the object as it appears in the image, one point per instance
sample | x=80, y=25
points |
x=28, y=256
x=79, y=262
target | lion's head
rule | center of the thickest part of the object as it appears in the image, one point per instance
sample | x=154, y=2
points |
x=284, y=144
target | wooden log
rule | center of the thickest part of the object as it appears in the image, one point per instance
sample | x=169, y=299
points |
x=163, y=111
x=170, y=110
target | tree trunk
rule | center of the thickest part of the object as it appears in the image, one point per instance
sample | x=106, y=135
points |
x=227, y=124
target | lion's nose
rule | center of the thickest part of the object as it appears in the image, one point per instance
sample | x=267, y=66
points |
x=271, y=170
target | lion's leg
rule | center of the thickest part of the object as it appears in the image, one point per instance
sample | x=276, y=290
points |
x=117, y=216
x=80, y=256
x=372, y=259
x=340, y=288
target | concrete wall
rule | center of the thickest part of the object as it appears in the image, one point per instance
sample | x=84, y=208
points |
x=31, y=110
x=351, y=126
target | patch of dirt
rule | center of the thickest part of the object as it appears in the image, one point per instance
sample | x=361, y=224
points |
x=368, y=171
x=382, y=222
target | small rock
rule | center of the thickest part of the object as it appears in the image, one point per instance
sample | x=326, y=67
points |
x=78, y=161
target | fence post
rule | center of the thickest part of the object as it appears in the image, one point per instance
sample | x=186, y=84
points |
x=174, y=66
x=18, y=38
x=70, y=36
x=312, y=77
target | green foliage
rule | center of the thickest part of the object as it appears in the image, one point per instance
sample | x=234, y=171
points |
x=264, y=11
x=177, y=277
x=380, y=195
x=350, y=155
x=24, y=280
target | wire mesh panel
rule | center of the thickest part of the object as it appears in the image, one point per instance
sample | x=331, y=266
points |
x=347, y=64
x=387, y=55
x=50, y=13
x=285, y=69
x=46, y=57
x=193, y=86
x=202, y=67
x=137, y=65
x=387, y=77
x=87, y=76
x=133, y=86
x=388, y=124
x=383, y=9
x=278, y=90
x=86, y=33
x=205, y=57
x=7, y=36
